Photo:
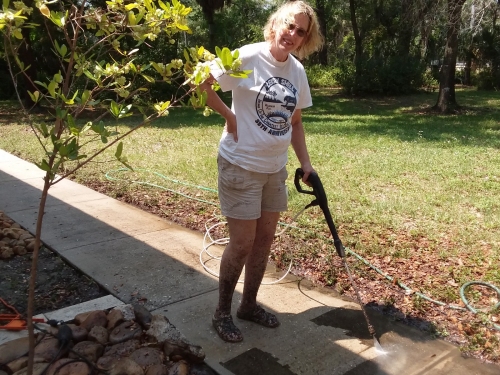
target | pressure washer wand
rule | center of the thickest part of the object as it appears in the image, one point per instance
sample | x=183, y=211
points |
x=321, y=201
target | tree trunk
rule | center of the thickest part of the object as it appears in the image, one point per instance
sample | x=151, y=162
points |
x=357, y=39
x=321, y=13
x=468, y=65
x=446, y=102
x=33, y=271
x=405, y=29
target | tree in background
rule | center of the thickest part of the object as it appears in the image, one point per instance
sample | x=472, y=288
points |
x=209, y=7
x=480, y=43
x=238, y=24
x=446, y=101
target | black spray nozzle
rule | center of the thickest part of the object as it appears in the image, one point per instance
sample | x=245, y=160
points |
x=320, y=201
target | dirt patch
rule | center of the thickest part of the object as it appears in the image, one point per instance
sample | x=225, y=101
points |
x=58, y=284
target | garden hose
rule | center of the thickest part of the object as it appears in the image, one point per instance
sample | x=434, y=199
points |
x=468, y=306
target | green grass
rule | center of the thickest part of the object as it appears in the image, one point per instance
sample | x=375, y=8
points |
x=400, y=181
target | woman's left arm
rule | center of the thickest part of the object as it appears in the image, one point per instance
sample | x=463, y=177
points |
x=299, y=144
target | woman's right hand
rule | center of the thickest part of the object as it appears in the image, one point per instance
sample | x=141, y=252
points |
x=232, y=126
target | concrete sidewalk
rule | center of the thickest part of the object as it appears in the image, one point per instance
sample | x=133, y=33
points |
x=136, y=255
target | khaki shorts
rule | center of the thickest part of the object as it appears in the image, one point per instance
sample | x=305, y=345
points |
x=244, y=194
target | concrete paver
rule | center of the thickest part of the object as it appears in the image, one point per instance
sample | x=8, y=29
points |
x=134, y=254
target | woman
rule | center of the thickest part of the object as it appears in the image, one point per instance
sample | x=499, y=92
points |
x=264, y=119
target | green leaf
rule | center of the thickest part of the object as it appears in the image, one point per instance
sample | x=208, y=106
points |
x=63, y=151
x=124, y=161
x=85, y=96
x=86, y=127
x=52, y=89
x=131, y=6
x=44, y=166
x=35, y=96
x=226, y=58
x=124, y=111
x=148, y=78
x=72, y=125
x=61, y=113
x=240, y=74
x=131, y=18
x=41, y=84
x=115, y=108
x=74, y=151
x=89, y=75
x=119, y=150
x=163, y=6
x=57, y=18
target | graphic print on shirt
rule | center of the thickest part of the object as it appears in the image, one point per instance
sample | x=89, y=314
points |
x=275, y=104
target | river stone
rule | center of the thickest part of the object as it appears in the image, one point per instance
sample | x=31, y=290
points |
x=99, y=334
x=88, y=349
x=157, y=370
x=146, y=357
x=125, y=366
x=115, y=317
x=142, y=316
x=67, y=366
x=127, y=311
x=19, y=250
x=179, y=368
x=38, y=369
x=79, y=333
x=20, y=363
x=30, y=245
x=180, y=350
x=14, y=349
x=123, y=349
x=126, y=331
x=48, y=349
x=6, y=253
x=95, y=318
x=26, y=236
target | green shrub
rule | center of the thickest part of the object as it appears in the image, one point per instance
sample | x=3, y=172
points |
x=322, y=76
x=487, y=80
x=393, y=75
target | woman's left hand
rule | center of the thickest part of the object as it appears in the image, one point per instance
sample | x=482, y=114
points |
x=308, y=169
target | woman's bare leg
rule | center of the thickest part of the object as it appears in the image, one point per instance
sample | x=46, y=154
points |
x=241, y=241
x=257, y=259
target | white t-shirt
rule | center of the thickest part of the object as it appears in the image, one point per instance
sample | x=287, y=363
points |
x=264, y=104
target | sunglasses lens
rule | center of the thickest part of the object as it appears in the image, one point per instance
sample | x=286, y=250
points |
x=300, y=32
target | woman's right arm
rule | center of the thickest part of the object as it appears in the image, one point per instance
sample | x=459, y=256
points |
x=216, y=103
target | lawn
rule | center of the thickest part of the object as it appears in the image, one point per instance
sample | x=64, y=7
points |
x=413, y=193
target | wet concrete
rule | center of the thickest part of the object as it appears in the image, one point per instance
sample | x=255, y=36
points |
x=256, y=361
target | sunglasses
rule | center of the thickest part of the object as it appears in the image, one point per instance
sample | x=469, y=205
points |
x=298, y=30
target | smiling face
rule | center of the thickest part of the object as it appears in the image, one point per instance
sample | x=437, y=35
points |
x=290, y=34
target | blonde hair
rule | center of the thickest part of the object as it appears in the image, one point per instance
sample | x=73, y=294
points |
x=312, y=42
